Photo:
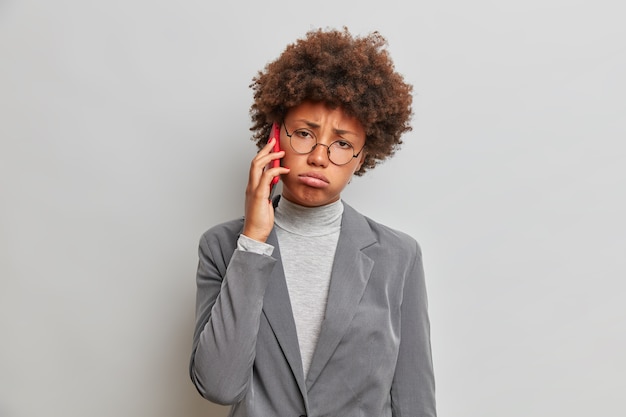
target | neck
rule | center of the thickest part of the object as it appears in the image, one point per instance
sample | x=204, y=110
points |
x=308, y=221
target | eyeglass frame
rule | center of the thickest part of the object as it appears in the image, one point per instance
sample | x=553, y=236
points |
x=354, y=155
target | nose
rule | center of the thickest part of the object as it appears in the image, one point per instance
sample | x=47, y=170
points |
x=319, y=155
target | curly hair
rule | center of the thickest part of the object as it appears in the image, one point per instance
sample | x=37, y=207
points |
x=351, y=72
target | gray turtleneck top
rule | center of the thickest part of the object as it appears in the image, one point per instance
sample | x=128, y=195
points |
x=308, y=239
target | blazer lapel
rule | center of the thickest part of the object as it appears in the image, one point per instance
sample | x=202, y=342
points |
x=277, y=310
x=350, y=274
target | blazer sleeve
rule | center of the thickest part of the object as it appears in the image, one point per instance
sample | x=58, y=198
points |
x=229, y=300
x=413, y=386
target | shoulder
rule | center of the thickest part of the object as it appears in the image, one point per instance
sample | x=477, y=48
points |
x=230, y=227
x=385, y=236
x=222, y=236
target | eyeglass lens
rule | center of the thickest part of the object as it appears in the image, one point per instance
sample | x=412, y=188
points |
x=303, y=141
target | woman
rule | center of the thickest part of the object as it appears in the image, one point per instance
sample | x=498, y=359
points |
x=305, y=306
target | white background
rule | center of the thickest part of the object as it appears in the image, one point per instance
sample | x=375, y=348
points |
x=124, y=135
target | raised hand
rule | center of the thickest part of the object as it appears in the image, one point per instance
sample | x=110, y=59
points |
x=259, y=212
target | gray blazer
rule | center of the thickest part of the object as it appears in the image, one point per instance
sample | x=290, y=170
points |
x=373, y=357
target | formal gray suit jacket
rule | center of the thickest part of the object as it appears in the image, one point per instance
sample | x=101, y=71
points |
x=373, y=357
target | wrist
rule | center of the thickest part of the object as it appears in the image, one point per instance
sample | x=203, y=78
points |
x=255, y=235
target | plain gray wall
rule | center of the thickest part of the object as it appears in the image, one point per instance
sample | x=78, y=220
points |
x=124, y=135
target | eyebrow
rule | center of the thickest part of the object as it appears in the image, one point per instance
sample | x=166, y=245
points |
x=314, y=125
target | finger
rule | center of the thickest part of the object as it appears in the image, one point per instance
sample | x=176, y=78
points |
x=268, y=176
x=266, y=154
x=270, y=173
x=274, y=175
x=261, y=189
x=260, y=161
x=265, y=159
x=267, y=148
x=259, y=185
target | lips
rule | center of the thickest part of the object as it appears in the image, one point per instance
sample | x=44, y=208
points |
x=314, y=179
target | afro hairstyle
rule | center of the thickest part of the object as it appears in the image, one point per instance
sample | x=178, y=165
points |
x=354, y=73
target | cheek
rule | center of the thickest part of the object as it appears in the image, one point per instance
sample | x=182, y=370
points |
x=344, y=177
x=290, y=160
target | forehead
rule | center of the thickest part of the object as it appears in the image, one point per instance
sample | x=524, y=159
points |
x=320, y=114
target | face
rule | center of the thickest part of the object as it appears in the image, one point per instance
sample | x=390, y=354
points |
x=313, y=180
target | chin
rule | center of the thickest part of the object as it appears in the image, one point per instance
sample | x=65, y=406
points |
x=310, y=199
x=308, y=196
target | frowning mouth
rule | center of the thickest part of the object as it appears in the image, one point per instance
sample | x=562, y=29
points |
x=314, y=179
x=315, y=175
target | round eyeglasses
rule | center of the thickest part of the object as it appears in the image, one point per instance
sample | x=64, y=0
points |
x=303, y=141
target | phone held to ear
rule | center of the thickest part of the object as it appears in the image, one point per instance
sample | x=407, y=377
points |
x=275, y=133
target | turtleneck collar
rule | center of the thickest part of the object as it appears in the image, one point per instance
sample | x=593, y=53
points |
x=308, y=221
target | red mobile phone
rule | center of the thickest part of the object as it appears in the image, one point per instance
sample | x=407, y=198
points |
x=275, y=133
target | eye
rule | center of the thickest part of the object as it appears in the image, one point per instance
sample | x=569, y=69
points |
x=342, y=144
x=303, y=134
